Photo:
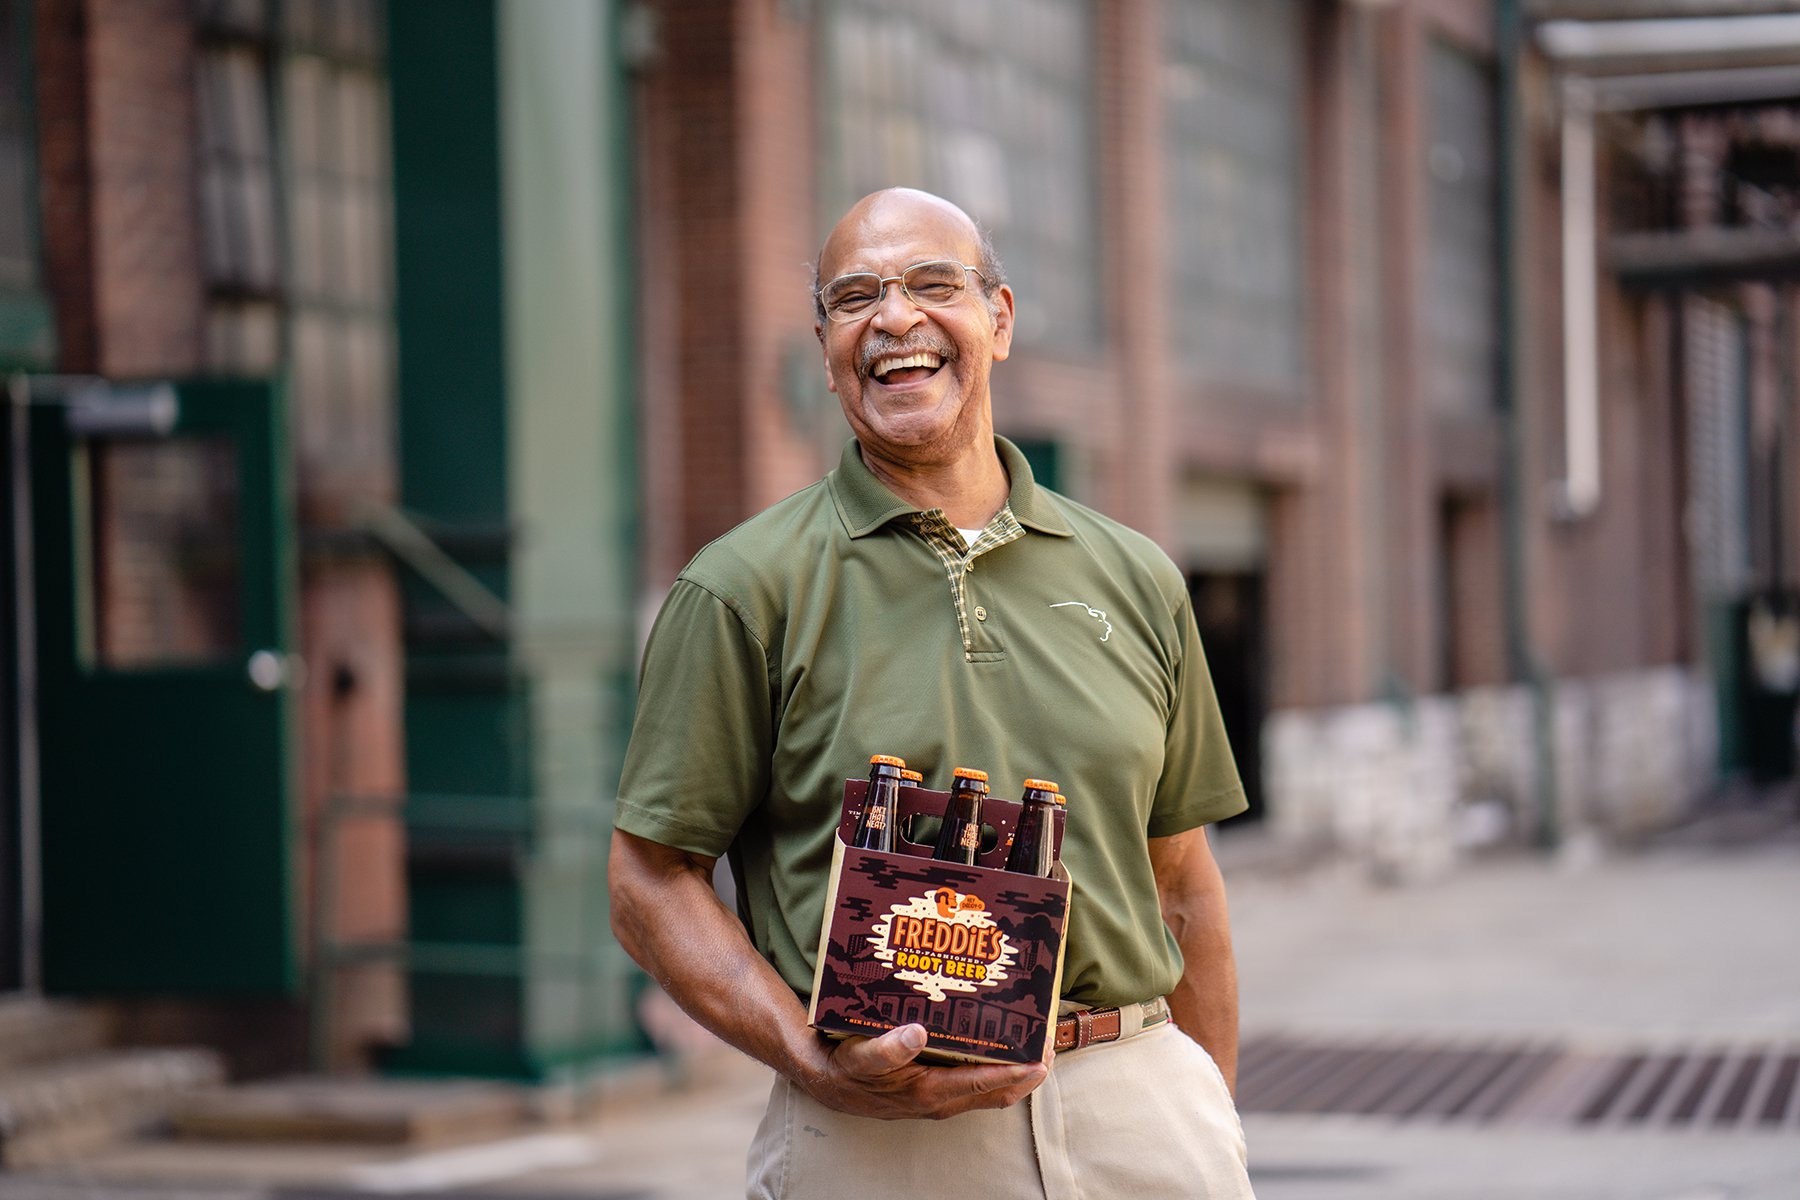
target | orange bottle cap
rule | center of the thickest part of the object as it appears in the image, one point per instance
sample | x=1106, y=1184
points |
x=1061, y=799
x=970, y=773
x=1043, y=785
x=912, y=776
x=888, y=759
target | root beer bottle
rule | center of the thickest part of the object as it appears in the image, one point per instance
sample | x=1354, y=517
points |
x=1034, y=840
x=911, y=778
x=881, y=806
x=960, y=835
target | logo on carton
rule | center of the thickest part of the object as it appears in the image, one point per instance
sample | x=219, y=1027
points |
x=943, y=942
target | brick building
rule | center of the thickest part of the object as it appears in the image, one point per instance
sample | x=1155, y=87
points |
x=1291, y=280
x=377, y=367
x=320, y=518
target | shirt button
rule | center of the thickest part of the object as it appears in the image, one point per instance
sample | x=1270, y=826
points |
x=980, y=613
x=968, y=657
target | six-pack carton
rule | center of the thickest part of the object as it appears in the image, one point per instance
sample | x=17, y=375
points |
x=974, y=954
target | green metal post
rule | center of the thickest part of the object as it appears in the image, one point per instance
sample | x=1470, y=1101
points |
x=1509, y=39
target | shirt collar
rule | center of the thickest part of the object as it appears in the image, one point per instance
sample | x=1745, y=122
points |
x=865, y=504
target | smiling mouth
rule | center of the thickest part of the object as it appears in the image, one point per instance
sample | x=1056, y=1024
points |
x=899, y=369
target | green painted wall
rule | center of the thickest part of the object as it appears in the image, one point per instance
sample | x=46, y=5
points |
x=464, y=710
x=444, y=76
x=511, y=234
x=570, y=485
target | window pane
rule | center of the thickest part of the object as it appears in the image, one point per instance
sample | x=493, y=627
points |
x=166, y=574
x=307, y=237
x=1461, y=295
x=989, y=105
x=237, y=186
x=18, y=266
x=340, y=243
x=303, y=84
x=318, y=385
x=247, y=18
x=1232, y=95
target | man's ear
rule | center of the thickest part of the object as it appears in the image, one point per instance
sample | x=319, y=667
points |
x=1003, y=323
x=825, y=355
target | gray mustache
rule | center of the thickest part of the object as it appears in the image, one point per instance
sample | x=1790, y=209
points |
x=884, y=345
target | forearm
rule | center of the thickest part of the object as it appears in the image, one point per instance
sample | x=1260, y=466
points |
x=1205, y=1001
x=667, y=916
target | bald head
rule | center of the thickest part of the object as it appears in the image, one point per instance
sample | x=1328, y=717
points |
x=897, y=216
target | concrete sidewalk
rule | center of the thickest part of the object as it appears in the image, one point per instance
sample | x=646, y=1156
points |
x=1694, y=942
x=1697, y=936
x=1689, y=942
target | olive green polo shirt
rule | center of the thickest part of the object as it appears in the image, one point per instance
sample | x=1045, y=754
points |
x=844, y=622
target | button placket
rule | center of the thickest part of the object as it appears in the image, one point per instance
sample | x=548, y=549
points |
x=958, y=555
x=983, y=630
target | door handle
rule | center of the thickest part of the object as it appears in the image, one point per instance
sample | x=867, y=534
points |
x=272, y=670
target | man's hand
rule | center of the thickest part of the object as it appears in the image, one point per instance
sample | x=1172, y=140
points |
x=667, y=916
x=879, y=1077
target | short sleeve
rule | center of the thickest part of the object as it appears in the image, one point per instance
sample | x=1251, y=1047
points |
x=1199, y=783
x=698, y=760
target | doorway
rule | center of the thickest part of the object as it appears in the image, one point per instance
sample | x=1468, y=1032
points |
x=1228, y=606
x=162, y=610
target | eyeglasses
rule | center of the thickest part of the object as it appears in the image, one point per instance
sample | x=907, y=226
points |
x=926, y=284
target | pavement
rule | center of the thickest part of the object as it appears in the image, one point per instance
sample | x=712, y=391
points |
x=1686, y=943
x=1691, y=942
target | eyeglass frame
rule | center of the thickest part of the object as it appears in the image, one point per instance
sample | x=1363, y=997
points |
x=881, y=283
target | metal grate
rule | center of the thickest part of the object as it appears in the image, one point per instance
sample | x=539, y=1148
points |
x=1715, y=1087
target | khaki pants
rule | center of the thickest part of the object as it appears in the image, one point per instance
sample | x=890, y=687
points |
x=1148, y=1118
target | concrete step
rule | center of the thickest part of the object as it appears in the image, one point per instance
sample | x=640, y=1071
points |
x=35, y=1030
x=54, y=1113
x=363, y=1111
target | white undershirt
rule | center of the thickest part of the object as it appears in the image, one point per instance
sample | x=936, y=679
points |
x=969, y=535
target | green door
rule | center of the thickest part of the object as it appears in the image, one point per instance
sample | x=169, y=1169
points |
x=162, y=548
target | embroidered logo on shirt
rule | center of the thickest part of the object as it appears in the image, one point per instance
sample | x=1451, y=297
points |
x=1092, y=612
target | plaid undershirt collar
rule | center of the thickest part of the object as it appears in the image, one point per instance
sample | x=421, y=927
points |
x=948, y=541
x=958, y=556
x=866, y=507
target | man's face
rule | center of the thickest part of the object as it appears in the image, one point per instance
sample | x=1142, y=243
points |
x=933, y=410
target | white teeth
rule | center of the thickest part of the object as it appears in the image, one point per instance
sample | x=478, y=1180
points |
x=922, y=359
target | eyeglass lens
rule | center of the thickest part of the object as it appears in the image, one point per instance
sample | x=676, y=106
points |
x=927, y=284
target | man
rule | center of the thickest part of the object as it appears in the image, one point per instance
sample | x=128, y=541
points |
x=927, y=599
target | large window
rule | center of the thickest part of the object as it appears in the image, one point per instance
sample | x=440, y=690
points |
x=1232, y=95
x=237, y=197
x=1462, y=287
x=25, y=331
x=18, y=268
x=295, y=194
x=990, y=105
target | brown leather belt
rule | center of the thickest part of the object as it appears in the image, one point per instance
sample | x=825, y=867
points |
x=1090, y=1026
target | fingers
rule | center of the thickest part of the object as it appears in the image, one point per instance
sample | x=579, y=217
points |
x=878, y=1077
x=866, y=1058
x=988, y=1087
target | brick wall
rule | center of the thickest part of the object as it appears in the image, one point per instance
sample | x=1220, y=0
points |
x=1138, y=460
x=61, y=79
x=116, y=169
x=695, y=343
x=779, y=237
